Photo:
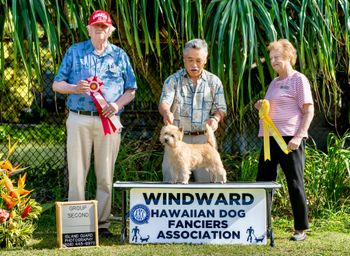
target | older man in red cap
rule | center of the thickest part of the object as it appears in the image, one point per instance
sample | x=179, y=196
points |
x=99, y=80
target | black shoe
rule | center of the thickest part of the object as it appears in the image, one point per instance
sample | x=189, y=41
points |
x=104, y=233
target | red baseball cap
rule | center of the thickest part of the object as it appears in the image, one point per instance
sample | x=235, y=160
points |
x=100, y=16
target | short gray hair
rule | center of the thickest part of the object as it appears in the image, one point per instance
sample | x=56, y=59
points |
x=197, y=44
x=110, y=31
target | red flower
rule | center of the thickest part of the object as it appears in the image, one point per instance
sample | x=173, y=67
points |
x=4, y=215
x=26, y=211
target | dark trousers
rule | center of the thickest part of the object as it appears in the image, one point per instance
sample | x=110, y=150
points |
x=292, y=165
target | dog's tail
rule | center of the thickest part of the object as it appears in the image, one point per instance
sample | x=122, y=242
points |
x=211, y=137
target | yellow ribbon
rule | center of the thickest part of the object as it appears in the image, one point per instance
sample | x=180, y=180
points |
x=269, y=127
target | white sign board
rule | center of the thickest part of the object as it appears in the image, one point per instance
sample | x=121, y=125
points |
x=208, y=216
x=77, y=224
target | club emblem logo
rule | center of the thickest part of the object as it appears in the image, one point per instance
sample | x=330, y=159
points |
x=139, y=214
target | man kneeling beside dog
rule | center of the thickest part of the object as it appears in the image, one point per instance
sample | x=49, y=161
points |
x=192, y=105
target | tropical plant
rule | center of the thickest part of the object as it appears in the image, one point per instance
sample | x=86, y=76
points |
x=236, y=30
x=17, y=210
x=327, y=178
x=327, y=174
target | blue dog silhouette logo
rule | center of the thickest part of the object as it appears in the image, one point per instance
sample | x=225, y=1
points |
x=136, y=236
x=139, y=214
x=251, y=233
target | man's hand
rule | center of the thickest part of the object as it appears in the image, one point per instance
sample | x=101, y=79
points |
x=168, y=118
x=213, y=123
x=82, y=87
x=110, y=110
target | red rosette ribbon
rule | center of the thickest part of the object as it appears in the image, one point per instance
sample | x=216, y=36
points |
x=112, y=124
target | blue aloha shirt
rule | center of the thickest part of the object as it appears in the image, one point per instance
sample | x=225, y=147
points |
x=112, y=67
x=192, y=108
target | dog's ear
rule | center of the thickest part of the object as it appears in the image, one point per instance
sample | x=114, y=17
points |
x=181, y=135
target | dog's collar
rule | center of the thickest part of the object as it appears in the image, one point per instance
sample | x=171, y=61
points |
x=197, y=133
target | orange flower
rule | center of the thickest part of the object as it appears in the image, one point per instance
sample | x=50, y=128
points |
x=14, y=194
x=8, y=183
x=21, y=184
x=9, y=201
x=24, y=192
x=6, y=165
x=22, y=180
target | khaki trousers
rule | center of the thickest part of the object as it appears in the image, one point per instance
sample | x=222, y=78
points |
x=199, y=175
x=84, y=136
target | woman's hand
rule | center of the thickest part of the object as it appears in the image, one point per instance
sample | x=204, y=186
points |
x=294, y=143
x=257, y=105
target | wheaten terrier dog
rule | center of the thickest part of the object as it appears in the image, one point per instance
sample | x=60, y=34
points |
x=184, y=157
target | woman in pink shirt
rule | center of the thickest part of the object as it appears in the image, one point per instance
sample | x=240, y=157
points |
x=291, y=110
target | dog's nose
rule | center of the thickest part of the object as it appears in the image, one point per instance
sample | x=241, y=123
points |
x=166, y=140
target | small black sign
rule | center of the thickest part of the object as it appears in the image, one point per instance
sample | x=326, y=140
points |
x=79, y=239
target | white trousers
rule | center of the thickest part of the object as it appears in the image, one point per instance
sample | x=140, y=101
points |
x=199, y=175
x=84, y=136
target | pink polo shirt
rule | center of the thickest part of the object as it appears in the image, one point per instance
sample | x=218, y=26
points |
x=287, y=98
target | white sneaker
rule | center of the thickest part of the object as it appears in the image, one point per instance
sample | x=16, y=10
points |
x=298, y=236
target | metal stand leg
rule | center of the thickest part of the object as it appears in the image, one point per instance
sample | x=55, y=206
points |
x=123, y=233
x=269, y=193
x=272, y=239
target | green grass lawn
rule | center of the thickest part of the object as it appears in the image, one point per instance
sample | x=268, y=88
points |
x=325, y=237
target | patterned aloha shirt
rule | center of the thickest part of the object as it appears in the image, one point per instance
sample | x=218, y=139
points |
x=112, y=67
x=192, y=108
